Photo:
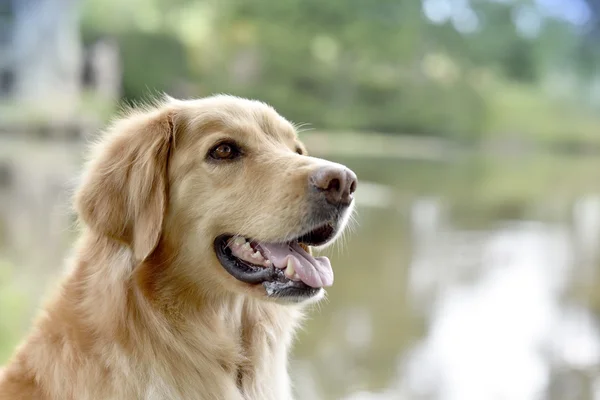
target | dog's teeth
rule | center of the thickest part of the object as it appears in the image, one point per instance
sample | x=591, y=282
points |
x=296, y=277
x=257, y=255
x=289, y=271
x=246, y=246
x=239, y=240
x=268, y=263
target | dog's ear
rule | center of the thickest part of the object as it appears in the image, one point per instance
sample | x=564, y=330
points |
x=124, y=192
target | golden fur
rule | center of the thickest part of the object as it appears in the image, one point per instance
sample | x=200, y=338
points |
x=147, y=312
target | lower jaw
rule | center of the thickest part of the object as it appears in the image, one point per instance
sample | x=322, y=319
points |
x=291, y=291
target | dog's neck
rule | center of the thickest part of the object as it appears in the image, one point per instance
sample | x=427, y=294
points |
x=244, y=338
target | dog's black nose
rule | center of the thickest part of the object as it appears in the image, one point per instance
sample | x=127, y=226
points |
x=337, y=183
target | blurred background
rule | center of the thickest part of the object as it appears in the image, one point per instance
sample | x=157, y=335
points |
x=474, y=128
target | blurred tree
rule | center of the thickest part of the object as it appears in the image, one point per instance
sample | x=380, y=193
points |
x=422, y=67
x=6, y=25
x=588, y=50
x=41, y=53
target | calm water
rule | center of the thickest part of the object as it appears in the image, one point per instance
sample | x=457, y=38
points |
x=465, y=280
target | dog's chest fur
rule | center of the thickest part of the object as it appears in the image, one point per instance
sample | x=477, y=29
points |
x=248, y=360
x=236, y=351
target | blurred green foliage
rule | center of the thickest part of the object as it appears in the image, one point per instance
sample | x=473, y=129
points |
x=363, y=65
x=14, y=304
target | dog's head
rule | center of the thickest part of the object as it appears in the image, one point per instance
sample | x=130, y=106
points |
x=226, y=185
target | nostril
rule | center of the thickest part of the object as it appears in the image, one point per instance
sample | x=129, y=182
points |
x=334, y=185
x=353, y=187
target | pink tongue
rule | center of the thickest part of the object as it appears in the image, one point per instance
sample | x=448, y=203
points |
x=314, y=271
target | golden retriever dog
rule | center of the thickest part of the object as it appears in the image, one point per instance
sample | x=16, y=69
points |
x=194, y=264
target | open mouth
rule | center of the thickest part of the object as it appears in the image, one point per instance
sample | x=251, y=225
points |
x=285, y=269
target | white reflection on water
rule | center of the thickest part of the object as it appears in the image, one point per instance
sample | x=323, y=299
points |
x=498, y=337
x=493, y=331
x=499, y=324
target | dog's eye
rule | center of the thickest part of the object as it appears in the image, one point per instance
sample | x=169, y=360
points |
x=225, y=151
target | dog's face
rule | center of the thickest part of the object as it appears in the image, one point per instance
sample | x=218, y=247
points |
x=240, y=202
